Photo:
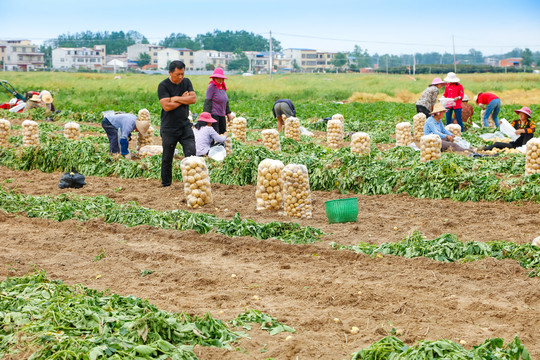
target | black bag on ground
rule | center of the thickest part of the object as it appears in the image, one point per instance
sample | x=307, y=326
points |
x=72, y=180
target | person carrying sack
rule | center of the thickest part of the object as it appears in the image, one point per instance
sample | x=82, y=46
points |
x=119, y=127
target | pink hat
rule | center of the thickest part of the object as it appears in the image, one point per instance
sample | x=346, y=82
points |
x=218, y=73
x=524, y=110
x=206, y=117
x=437, y=81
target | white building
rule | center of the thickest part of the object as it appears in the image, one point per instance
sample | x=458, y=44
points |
x=165, y=56
x=89, y=58
x=218, y=59
x=134, y=52
x=20, y=55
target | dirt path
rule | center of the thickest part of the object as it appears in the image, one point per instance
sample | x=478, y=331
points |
x=304, y=286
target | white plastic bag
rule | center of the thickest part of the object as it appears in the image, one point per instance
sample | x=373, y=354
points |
x=508, y=129
x=304, y=131
x=217, y=153
x=462, y=142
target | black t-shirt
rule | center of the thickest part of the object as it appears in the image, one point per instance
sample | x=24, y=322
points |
x=175, y=119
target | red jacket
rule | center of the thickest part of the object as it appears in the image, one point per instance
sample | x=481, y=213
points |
x=453, y=90
x=486, y=98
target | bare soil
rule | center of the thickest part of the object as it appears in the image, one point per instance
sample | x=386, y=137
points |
x=303, y=286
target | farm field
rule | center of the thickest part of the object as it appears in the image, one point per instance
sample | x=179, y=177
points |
x=296, y=275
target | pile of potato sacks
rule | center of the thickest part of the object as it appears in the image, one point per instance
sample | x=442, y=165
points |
x=72, y=131
x=5, y=125
x=360, y=143
x=403, y=134
x=30, y=133
x=196, y=181
x=419, y=120
x=430, y=147
x=292, y=128
x=270, y=138
x=269, y=185
x=532, y=159
x=334, y=133
x=239, y=126
x=455, y=129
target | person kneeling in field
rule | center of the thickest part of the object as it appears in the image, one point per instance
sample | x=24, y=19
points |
x=524, y=128
x=119, y=127
x=434, y=125
x=205, y=133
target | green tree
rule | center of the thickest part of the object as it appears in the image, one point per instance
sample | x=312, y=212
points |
x=476, y=57
x=180, y=41
x=361, y=58
x=210, y=67
x=116, y=42
x=144, y=59
x=295, y=65
x=339, y=60
x=47, y=55
x=230, y=41
x=526, y=57
x=240, y=62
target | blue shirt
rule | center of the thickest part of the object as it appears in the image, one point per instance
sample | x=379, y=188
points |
x=433, y=127
x=124, y=122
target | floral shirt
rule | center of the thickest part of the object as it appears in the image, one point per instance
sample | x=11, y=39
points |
x=428, y=97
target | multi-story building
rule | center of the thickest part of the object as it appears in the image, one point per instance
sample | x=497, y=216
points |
x=134, y=52
x=258, y=61
x=218, y=59
x=89, y=58
x=306, y=59
x=324, y=60
x=20, y=55
x=165, y=56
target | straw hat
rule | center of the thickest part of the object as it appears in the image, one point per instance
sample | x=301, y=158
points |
x=35, y=98
x=206, y=117
x=142, y=127
x=438, y=108
x=46, y=97
x=465, y=98
x=451, y=78
x=524, y=110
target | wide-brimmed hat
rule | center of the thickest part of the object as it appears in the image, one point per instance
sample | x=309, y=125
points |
x=465, y=98
x=218, y=73
x=206, y=117
x=142, y=127
x=438, y=108
x=35, y=98
x=437, y=81
x=46, y=97
x=451, y=78
x=524, y=110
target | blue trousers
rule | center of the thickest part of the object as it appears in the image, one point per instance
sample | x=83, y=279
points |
x=458, y=117
x=112, y=134
x=494, y=107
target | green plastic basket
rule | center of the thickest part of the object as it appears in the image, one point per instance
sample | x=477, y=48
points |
x=341, y=210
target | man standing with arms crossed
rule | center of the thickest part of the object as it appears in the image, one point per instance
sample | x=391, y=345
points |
x=175, y=95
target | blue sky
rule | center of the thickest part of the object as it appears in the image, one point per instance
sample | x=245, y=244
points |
x=385, y=26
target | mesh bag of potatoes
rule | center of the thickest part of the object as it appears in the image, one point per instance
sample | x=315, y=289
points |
x=491, y=122
x=360, y=143
x=145, y=140
x=419, y=120
x=338, y=117
x=30, y=133
x=196, y=181
x=150, y=150
x=5, y=125
x=143, y=115
x=532, y=159
x=403, y=134
x=455, y=129
x=228, y=120
x=292, y=128
x=72, y=131
x=430, y=147
x=296, y=194
x=228, y=146
x=334, y=133
x=270, y=138
x=269, y=185
x=239, y=125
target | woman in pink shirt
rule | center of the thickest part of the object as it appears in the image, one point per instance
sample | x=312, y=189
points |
x=454, y=91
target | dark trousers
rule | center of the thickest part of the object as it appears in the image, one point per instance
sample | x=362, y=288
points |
x=185, y=137
x=112, y=134
x=422, y=109
x=221, y=125
x=520, y=141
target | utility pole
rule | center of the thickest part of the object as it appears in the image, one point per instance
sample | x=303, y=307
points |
x=454, y=46
x=270, y=66
x=387, y=65
x=414, y=64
